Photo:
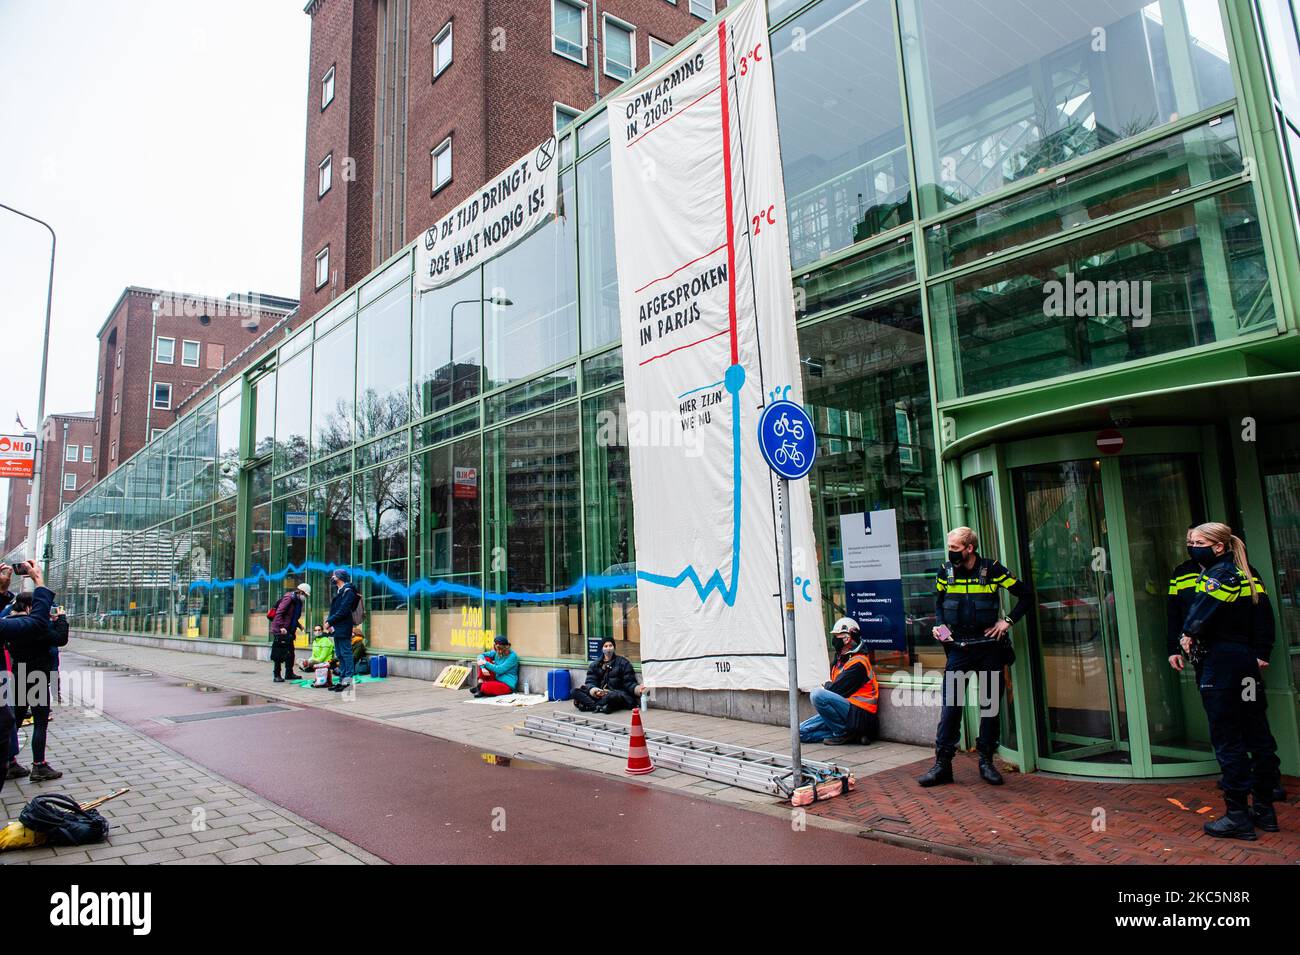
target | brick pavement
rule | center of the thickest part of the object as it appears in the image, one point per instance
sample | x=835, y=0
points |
x=1040, y=818
x=177, y=812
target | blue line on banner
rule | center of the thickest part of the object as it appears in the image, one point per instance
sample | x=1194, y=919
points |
x=734, y=381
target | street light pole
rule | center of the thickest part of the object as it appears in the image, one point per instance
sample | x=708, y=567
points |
x=33, y=510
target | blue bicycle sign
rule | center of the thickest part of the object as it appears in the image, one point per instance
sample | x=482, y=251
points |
x=785, y=435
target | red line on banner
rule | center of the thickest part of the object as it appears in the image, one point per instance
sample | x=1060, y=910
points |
x=707, y=338
x=726, y=172
x=678, y=269
x=633, y=142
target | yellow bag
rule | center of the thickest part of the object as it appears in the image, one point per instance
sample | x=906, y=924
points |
x=17, y=836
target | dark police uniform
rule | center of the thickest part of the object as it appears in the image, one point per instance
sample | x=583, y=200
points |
x=967, y=601
x=1231, y=633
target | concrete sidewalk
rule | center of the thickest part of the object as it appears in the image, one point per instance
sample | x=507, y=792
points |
x=176, y=813
x=419, y=706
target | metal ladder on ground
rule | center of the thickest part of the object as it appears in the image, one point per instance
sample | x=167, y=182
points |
x=753, y=769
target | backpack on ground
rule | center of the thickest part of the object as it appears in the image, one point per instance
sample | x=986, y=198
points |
x=63, y=821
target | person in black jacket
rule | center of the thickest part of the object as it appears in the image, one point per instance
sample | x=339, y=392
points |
x=33, y=662
x=339, y=624
x=20, y=630
x=610, y=684
x=1228, y=634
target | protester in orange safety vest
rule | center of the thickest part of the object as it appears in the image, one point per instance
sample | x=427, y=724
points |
x=847, y=704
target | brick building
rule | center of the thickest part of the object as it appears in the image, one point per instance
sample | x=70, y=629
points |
x=412, y=106
x=69, y=443
x=152, y=359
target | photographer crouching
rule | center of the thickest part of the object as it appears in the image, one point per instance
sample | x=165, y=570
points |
x=27, y=635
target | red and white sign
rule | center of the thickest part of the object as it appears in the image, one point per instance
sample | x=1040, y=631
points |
x=1110, y=441
x=464, y=483
x=17, y=455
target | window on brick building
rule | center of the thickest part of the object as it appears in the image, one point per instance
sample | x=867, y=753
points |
x=116, y=403
x=702, y=8
x=87, y=455
x=99, y=388
x=162, y=395
x=190, y=354
x=619, y=42
x=119, y=358
x=322, y=266
x=69, y=482
x=440, y=165
x=165, y=350
x=442, y=50
x=325, y=175
x=70, y=452
x=327, y=88
x=112, y=451
x=564, y=115
x=569, y=29
x=658, y=49
x=156, y=433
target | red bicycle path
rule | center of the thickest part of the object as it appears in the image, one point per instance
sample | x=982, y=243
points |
x=411, y=798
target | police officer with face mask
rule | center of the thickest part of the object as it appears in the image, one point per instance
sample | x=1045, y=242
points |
x=1228, y=634
x=975, y=637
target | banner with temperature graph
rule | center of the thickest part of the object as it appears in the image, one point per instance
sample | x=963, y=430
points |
x=708, y=339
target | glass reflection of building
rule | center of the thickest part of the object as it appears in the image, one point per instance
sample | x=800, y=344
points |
x=944, y=161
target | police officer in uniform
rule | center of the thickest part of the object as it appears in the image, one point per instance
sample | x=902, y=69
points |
x=1228, y=634
x=967, y=613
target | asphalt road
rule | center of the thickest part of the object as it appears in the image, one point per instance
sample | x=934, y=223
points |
x=411, y=798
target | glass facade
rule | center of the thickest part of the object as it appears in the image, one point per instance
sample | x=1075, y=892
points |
x=948, y=164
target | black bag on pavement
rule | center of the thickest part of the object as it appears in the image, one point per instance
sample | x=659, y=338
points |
x=63, y=821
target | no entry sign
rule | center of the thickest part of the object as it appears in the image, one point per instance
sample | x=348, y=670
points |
x=1110, y=441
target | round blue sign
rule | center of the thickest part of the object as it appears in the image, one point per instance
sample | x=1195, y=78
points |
x=785, y=434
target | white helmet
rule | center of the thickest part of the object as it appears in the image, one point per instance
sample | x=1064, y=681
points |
x=846, y=625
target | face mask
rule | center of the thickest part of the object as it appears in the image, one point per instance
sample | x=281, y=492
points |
x=956, y=556
x=1202, y=555
x=608, y=653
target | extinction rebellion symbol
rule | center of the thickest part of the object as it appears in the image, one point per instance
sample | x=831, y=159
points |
x=430, y=238
x=545, y=153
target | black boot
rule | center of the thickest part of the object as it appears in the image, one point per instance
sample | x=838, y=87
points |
x=938, y=774
x=988, y=769
x=1264, y=816
x=1236, y=823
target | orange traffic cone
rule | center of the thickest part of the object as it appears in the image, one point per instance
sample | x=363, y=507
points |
x=638, y=756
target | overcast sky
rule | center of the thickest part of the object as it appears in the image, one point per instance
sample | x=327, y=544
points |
x=163, y=140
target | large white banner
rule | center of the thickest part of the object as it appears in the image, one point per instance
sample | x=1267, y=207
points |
x=708, y=338
x=509, y=207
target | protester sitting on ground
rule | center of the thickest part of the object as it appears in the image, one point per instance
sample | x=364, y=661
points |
x=322, y=654
x=610, y=685
x=21, y=629
x=32, y=669
x=498, y=670
x=284, y=630
x=360, y=656
x=846, y=705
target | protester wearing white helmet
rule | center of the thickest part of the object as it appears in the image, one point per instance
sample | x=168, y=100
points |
x=847, y=704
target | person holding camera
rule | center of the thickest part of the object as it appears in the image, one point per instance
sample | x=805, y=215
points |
x=33, y=664
x=18, y=631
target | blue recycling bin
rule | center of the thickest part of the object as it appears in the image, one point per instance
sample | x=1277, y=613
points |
x=558, y=685
x=383, y=667
x=374, y=666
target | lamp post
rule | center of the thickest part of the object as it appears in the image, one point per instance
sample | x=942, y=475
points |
x=38, y=465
